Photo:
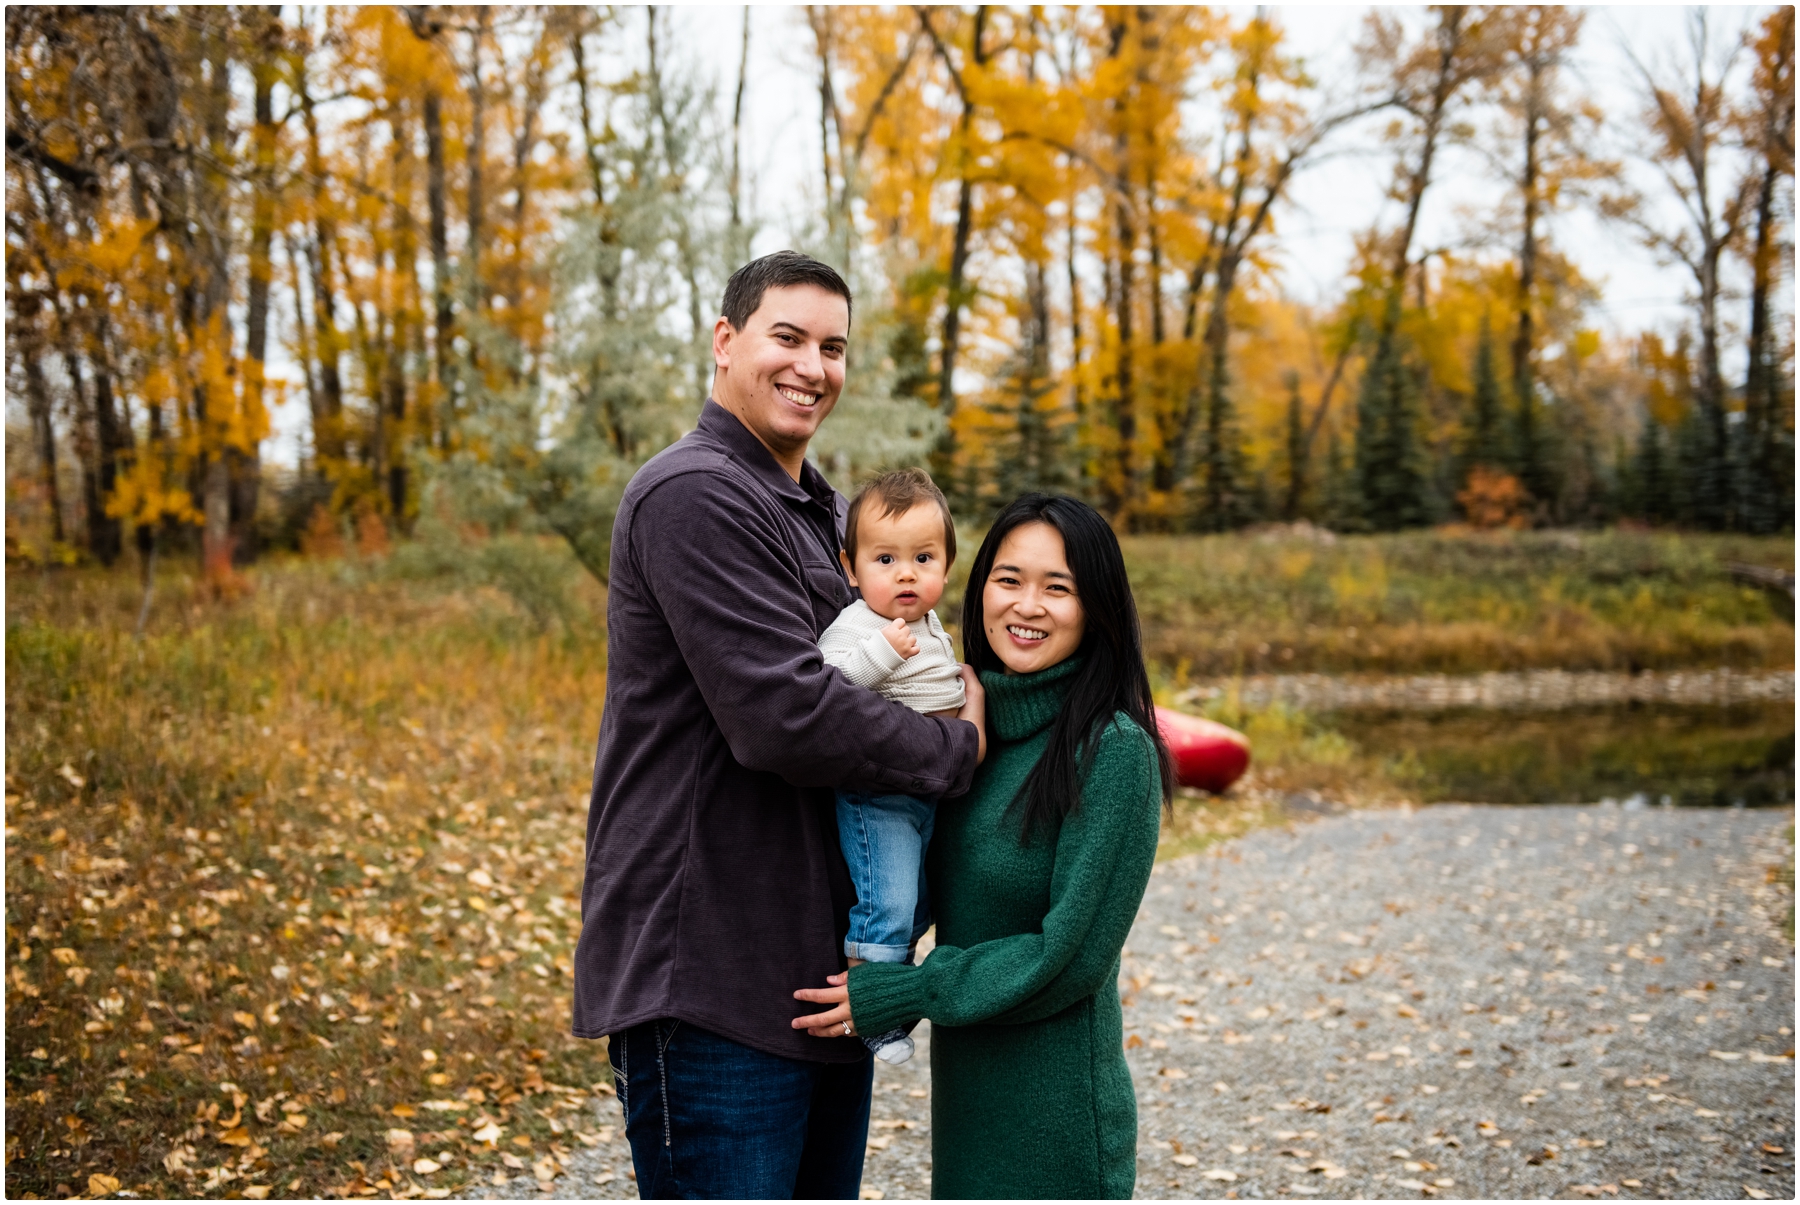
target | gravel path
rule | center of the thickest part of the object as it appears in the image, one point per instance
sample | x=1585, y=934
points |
x=1453, y=1002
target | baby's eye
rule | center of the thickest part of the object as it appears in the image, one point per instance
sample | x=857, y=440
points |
x=884, y=559
x=924, y=558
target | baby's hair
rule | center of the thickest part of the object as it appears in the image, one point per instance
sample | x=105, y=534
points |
x=898, y=492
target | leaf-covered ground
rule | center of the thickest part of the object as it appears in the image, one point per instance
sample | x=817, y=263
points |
x=291, y=889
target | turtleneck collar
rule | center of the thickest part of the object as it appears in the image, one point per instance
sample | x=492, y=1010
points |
x=1020, y=706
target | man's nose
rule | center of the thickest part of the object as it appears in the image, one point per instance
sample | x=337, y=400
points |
x=809, y=364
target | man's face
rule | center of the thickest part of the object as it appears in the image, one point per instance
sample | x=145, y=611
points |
x=782, y=373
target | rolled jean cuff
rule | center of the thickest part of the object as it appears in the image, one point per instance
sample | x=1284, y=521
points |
x=870, y=952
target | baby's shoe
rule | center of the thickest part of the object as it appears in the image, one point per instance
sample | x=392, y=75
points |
x=894, y=1046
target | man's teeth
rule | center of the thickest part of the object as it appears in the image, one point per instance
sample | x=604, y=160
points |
x=795, y=396
x=1026, y=633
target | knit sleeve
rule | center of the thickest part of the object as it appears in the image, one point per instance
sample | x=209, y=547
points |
x=1104, y=853
x=867, y=659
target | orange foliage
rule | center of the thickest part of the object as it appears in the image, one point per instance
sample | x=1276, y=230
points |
x=1493, y=499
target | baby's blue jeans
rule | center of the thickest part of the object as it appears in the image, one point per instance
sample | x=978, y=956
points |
x=884, y=839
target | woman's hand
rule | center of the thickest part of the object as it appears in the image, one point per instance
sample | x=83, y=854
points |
x=974, y=709
x=837, y=1023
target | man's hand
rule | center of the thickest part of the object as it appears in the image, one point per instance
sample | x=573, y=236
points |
x=900, y=637
x=974, y=709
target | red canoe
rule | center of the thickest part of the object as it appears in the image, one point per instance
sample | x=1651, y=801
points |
x=1208, y=755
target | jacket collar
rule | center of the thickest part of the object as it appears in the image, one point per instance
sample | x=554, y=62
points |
x=724, y=427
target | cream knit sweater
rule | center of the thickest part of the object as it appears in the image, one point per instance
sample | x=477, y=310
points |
x=927, y=681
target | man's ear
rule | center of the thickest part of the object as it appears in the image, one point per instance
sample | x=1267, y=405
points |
x=722, y=335
x=844, y=560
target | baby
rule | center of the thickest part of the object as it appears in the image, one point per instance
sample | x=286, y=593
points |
x=898, y=547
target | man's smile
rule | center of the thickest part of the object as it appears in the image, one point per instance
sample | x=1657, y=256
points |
x=798, y=396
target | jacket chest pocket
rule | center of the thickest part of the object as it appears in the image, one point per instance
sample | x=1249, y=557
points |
x=830, y=594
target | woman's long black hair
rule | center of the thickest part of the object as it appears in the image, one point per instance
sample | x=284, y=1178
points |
x=1111, y=678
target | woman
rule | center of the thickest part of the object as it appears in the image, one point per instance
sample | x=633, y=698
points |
x=1035, y=876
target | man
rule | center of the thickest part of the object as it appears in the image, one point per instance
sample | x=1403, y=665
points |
x=715, y=884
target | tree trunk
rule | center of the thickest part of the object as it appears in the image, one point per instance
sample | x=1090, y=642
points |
x=737, y=136
x=1528, y=453
x=476, y=152
x=405, y=261
x=214, y=319
x=1123, y=491
x=111, y=437
x=1076, y=402
x=43, y=432
x=246, y=467
x=945, y=455
x=439, y=228
x=1764, y=501
x=328, y=417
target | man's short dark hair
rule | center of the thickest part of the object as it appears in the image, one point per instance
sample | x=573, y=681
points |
x=784, y=269
x=898, y=492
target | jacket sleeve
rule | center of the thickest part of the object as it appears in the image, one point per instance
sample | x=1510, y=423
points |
x=867, y=661
x=738, y=605
x=1104, y=853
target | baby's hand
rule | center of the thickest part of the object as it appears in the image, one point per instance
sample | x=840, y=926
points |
x=900, y=637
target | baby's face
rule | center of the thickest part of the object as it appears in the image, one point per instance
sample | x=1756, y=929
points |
x=900, y=561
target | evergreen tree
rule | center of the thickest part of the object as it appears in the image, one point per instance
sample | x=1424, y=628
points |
x=1530, y=462
x=1390, y=478
x=1339, y=505
x=1485, y=441
x=1226, y=500
x=1294, y=446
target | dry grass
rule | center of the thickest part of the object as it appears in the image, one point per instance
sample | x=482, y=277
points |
x=281, y=875
x=1456, y=602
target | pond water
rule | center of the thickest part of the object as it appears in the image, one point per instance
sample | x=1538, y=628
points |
x=1738, y=756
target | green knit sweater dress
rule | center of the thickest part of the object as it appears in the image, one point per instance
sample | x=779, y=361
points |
x=1030, y=1094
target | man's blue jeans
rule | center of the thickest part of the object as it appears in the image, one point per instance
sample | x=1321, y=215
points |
x=884, y=838
x=709, y=1119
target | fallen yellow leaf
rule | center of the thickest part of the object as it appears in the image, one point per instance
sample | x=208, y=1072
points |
x=100, y=1184
x=236, y=1136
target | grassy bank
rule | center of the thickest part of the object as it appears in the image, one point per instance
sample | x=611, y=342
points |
x=1444, y=602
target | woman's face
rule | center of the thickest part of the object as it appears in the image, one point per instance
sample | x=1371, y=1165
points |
x=1029, y=606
